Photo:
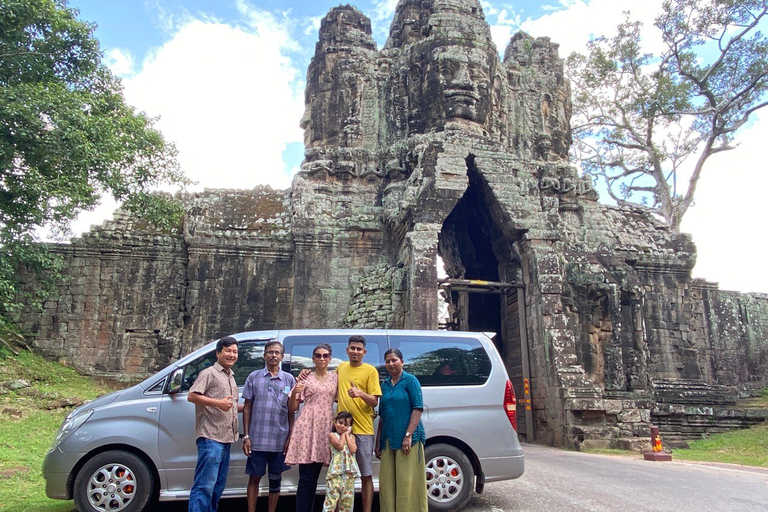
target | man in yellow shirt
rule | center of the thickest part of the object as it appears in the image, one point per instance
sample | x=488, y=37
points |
x=359, y=392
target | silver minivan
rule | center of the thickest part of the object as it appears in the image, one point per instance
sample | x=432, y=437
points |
x=126, y=449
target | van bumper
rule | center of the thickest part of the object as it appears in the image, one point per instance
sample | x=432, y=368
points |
x=497, y=469
x=57, y=467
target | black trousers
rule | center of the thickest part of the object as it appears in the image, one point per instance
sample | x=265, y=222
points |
x=307, y=488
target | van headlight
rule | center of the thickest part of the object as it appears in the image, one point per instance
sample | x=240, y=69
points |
x=69, y=426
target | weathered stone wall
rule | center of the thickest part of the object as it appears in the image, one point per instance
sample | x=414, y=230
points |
x=134, y=299
x=120, y=310
x=239, y=272
x=737, y=337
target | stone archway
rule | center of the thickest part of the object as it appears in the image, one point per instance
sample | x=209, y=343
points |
x=484, y=287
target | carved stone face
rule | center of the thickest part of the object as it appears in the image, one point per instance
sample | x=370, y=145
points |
x=449, y=82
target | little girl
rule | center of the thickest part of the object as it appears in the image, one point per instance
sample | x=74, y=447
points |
x=340, y=479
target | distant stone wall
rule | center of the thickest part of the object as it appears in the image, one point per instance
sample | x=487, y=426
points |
x=737, y=333
x=120, y=309
x=133, y=299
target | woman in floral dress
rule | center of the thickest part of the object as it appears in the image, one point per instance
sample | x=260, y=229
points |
x=308, y=446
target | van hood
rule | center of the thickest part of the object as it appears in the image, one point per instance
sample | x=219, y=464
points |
x=97, y=402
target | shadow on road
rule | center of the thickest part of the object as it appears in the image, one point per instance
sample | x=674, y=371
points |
x=239, y=504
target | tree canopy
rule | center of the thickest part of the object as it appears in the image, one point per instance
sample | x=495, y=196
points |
x=67, y=137
x=647, y=123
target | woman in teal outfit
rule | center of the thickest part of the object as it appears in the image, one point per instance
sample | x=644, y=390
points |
x=400, y=440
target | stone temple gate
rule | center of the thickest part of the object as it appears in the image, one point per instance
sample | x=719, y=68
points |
x=432, y=148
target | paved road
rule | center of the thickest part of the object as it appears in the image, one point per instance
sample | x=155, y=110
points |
x=558, y=480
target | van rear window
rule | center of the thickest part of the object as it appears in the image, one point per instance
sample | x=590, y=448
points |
x=444, y=361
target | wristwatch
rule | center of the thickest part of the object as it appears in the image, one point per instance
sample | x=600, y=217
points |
x=246, y=436
x=407, y=434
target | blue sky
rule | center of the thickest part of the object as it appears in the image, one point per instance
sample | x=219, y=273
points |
x=226, y=80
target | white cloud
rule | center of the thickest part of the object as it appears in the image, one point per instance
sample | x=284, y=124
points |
x=573, y=26
x=228, y=98
x=725, y=220
x=120, y=61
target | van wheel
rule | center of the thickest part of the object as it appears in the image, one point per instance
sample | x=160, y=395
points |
x=114, y=481
x=449, y=477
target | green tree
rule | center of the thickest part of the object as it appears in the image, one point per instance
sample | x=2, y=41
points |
x=647, y=123
x=67, y=138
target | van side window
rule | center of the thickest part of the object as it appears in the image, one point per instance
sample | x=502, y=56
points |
x=300, y=348
x=250, y=356
x=444, y=361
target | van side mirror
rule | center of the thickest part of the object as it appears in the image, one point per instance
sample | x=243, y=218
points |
x=176, y=380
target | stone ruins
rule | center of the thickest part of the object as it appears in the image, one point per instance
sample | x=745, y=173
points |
x=433, y=149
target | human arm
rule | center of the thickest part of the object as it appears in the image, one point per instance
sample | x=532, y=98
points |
x=296, y=397
x=291, y=419
x=224, y=404
x=377, y=442
x=412, y=425
x=350, y=438
x=416, y=401
x=246, y=423
x=370, y=390
x=335, y=441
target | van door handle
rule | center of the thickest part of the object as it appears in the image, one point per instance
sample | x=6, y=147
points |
x=151, y=409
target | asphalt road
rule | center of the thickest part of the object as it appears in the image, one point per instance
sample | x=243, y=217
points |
x=558, y=480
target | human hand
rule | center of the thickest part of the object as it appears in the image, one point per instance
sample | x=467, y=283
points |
x=298, y=388
x=226, y=403
x=303, y=374
x=406, y=447
x=342, y=429
x=377, y=451
x=247, y=447
x=354, y=391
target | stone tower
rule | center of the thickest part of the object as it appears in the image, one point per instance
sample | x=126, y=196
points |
x=433, y=149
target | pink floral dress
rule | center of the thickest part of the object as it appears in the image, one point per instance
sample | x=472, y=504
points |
x=309, y=440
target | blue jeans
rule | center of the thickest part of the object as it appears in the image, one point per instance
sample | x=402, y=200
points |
x=210, y=475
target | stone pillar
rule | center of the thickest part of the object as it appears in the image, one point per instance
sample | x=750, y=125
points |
x=421, y=257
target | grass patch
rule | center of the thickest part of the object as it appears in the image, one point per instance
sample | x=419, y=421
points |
x=29, y=419
x=747, y=446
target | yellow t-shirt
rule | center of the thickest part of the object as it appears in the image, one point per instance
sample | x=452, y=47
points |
x=366, y=378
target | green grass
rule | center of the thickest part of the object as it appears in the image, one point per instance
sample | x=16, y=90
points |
x=29, y=419
x=748, y=447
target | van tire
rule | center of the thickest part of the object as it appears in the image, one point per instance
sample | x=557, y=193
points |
x=450, y=478
x=114, y=480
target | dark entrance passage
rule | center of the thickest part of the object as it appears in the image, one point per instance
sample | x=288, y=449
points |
x=483, y=289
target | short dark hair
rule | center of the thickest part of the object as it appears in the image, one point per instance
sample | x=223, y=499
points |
x=224, y=342
x=356, y=338
x=395, y=351
x=274, y=342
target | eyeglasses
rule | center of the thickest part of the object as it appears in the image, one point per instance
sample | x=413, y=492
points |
x=273, y=353
x=322, y=356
